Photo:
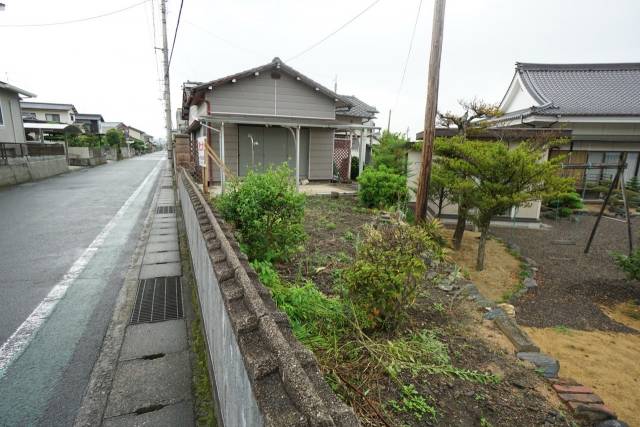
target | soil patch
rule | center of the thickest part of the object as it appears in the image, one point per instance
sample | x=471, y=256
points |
x=520, y=397
x=627, y=313
x=605, y=361
x=574, y=285
x=500, y=275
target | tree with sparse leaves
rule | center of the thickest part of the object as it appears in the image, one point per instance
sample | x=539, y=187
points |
x=474, y=111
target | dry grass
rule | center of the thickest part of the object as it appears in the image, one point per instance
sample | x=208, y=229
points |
x=500, y=275
x=605, y=361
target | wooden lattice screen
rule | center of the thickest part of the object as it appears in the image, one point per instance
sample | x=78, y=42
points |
x=342, y=159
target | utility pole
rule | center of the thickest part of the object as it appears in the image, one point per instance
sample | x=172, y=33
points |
x=389, y=121
x=167, y=93
x=422, y=195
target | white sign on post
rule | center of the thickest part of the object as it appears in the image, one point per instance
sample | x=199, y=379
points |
x=201, y=142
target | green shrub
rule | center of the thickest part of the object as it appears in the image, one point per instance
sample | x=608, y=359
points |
x=630, y=264
x=267, y=210
x=389, y=268
x=381, y=187
x=391, y=152
x=84, y=141
x=571, y=200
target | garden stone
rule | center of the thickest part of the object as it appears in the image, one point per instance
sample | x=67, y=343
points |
x=508, y=309
x=530, y=283
x=494, y=313
x=432, y=275
x=548, y=364
x=445, y=286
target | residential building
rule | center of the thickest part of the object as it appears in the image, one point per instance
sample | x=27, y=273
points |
x=47, y=122
x=599, y=103
x=270, y=115
x=11, y=126
x=92, y=123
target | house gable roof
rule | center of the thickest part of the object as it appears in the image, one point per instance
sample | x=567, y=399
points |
x=48, y=106
x=89, y=116
x=7, y=86
x=581, y=89
x=275, y=64
x=359, y=108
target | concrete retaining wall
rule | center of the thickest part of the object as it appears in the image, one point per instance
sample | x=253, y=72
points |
x=26, y=169
x=85, y=156
x=263, y=374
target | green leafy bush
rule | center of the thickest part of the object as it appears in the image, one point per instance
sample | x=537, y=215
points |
x=391, y=152
x=389, y=268
x=564, y=204
x=630, y=264
x=84, y=141
x=381, y=187
x=267, y=210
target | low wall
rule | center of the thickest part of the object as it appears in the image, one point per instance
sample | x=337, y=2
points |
x=26, y=169
x=85, y=156
x=263, y=374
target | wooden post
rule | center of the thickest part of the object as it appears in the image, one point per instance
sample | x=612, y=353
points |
x=422, y=196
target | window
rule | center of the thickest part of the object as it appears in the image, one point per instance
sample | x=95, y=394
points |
x=52, y=118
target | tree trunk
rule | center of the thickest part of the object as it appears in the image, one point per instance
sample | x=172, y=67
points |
x=441, y=203
x=460, y=226
x=481, y=247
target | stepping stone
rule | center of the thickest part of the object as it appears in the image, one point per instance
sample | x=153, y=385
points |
x=592, y=412
x=575, y=389
x=517, y=336
x=548, y=364
x=581, y=398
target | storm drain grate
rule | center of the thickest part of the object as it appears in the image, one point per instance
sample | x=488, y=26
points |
x=158, y=300
x=167, y=187
x=165, y=209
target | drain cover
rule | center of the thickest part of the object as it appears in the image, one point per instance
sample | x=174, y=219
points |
x=158, y=300
x=165, y=209
x=167, y=187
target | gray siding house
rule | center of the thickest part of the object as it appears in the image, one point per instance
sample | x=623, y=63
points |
x=11, y=127
x=269, y=115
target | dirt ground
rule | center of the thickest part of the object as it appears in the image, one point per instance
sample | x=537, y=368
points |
x=500, y=276
x=585, y=312
x=604, y=361
x=520, y=398
x=573, y=285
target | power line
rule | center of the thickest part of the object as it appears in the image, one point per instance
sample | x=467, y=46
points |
x=299, y=54
x=175, y=35
x=406, y=61
x=74, y=21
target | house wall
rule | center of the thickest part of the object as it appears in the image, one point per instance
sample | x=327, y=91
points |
x=517, y=98
x=263, y=95
x=12, y=129
x=320, y=154
x=230, y=150
x=65, y=116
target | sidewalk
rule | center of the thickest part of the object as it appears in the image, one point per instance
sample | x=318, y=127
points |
x=143, y=376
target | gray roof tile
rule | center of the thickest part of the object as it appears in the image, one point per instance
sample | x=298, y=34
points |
x=583, y=89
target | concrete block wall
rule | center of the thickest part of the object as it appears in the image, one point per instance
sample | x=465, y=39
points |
x=263, y=374
x=27, y=169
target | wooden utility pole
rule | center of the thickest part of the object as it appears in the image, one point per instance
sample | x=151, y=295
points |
x=167, y=92
x=422, y=195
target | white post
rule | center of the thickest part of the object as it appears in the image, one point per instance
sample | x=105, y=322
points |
x=221, y=139
x=298, y=158
x=363, y=151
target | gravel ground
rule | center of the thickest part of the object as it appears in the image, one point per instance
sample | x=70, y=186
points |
x=573, y=285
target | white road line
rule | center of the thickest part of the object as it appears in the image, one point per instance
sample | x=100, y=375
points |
x=21, y=338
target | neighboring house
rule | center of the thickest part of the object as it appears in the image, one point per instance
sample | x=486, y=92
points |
x=11, y=126
x=92, y=123
x=599, y=103
x=46, y=121
x=270, y=115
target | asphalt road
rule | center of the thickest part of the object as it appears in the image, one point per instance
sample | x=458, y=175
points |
x=90, y=220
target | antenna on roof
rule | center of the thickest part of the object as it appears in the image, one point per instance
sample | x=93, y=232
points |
x=335, y=84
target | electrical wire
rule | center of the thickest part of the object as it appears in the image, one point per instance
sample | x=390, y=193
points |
x=75, y=21
x=316, y=44
x=175, y=34
x=406, y=61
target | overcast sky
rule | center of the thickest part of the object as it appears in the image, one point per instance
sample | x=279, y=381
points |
x=109, y=66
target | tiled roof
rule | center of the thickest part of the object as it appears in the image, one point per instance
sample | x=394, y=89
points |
x=7, y=86
x=359, y=108
x=583, y=89
x=47, y=106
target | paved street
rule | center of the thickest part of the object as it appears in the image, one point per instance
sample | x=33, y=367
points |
x=65, y=246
